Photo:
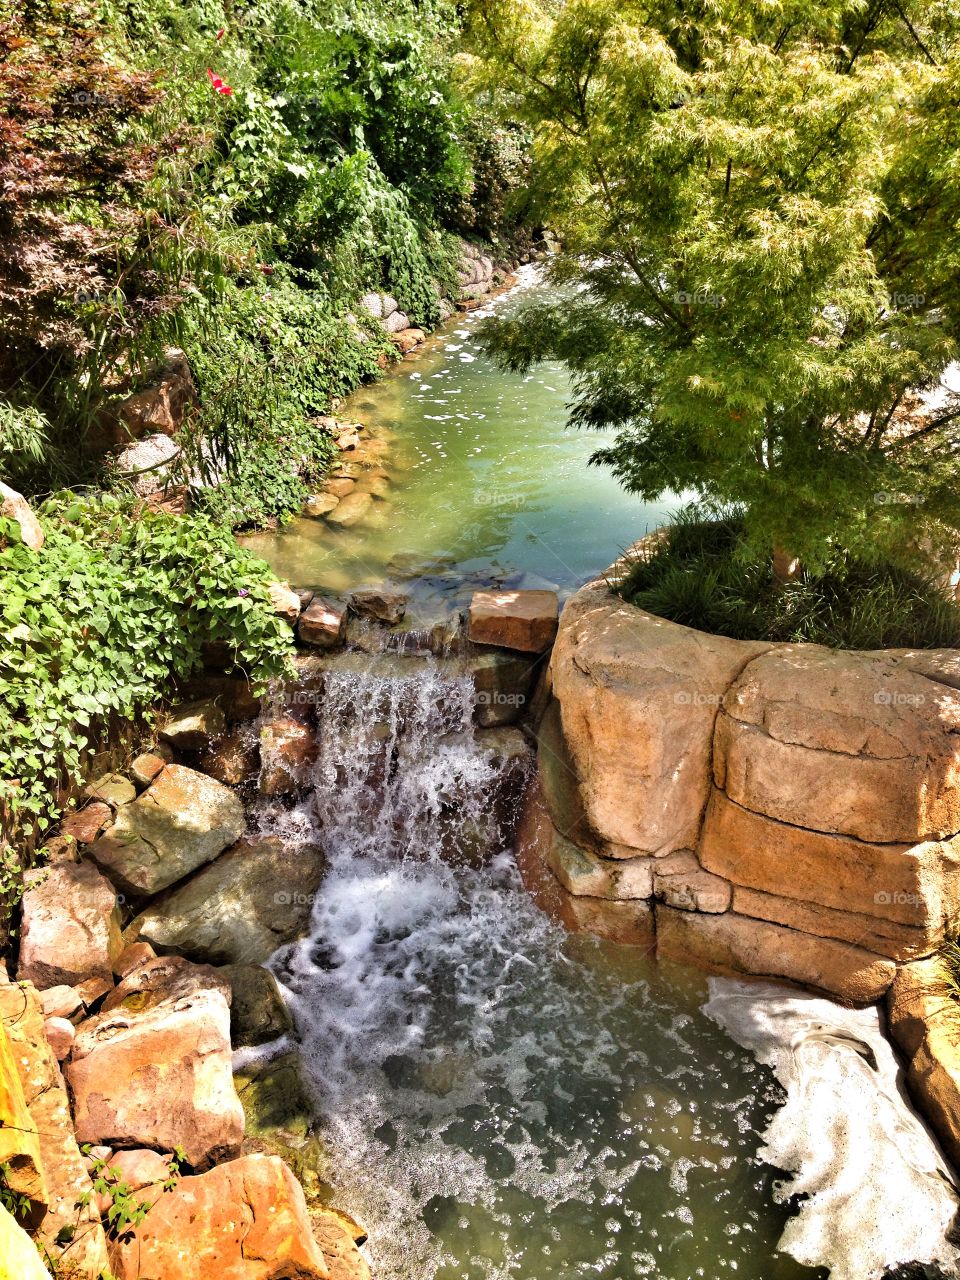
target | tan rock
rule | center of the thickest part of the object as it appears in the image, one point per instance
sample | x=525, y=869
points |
x=384, y=603
x=194, y=725
x=286, y=603
x=350, y=510
x=320, y=504
x=338, y=487
x=133, y=956
x=70, y=932
x=681, y=882
x=162, y=407
x=180, y=822
x=14, y=506
x=112, y=788
x=915, y=886
x=19, y=1141
x=523, y=620
x=734, y=945
x=322, y=624
x=586, y=874
x=154, y=1068
x=288, y=752
x=503, y=682
x=638, y=700
x=86, y=824
x=377, y=486
x=245, y=1220
x=60, y=1035
x=69, y=1231
x=849, y=743
x=232, y=692
x=62, y=1002
x=146, y=767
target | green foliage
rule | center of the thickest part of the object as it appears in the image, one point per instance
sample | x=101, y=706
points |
x=16, y=1203
x=125, y=1212
x=95, y=626
x=704, y=575
x=760, y=202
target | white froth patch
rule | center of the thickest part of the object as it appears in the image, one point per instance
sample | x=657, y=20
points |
x=879, y=1191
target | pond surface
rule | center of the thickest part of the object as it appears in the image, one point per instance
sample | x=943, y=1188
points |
x=487, y=478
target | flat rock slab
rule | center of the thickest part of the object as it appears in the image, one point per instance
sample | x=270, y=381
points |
x=524, y=620
x=182, y=821
x=154, y=1068
x=322, y=624
x=70, y=932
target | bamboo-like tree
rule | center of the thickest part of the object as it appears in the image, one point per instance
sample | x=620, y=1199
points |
x=758, y=206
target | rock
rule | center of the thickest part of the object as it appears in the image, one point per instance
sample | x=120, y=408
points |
x=377, y=486
x=70, y=1230
x=681, y=882
x=62, y=1002
x=387, y=604
x=14, y=506
x=112, y=788
x=395, y=322
x=194, y=725
x=60, y=1035
x=234, y=758
x=845, y=743
x=180, y=822
x=338, y=487
x=622, y=676
x=347, y=440
x=350, y=510
x=133, y=957
x=502, y=682
x=233, y=694
x=322, y=624
x=258, y=1013
x=914, y=886
x=319, y=504
x=70, y=932
x=139, y=1167
x=925, y=1023
x=146, y=465
x=288, y=751
x=407, y=339
x=162, y=407
x=286, y=603
x=19, y=1259
x=245, y=1220
x=733, y=945
x=19, y=1141
x=239, y=909
x=146, y=767
x=524, y=620
x=86, y=824
x=154, y=1068
x=346, y=471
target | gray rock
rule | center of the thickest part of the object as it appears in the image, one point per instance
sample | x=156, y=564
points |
x=502, y=681
x=146, y=464
x=258, y=1013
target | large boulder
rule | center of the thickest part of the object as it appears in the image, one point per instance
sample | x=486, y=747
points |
x=322, y=624
x=70, y=931
x=69, y=1228
x=245, y=1220
x=153, y=1069
x=241, y=907
x=14, y=506
x=258, y=1013
x=161, y=407
x=638, y=698
x=19, y=1259
x=350, y=510
x=19, y=1141
x=180, y=822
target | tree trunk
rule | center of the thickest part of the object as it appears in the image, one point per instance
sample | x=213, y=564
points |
x=785, y=566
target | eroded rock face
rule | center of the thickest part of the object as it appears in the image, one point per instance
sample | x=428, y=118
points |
x=70, y=933
x=239, y=909
x=154, y=1068
x=180, y=822
x=245, y=1220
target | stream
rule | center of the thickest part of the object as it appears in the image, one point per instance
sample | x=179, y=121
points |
x=498, y=1099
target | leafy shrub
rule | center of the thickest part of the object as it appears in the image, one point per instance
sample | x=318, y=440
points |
x=701, y=576
x=97, y=624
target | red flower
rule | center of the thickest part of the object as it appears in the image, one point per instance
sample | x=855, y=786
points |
x=218, y=84
x=220, y=33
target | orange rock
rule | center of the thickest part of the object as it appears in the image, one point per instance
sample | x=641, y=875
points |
x=523, y=620
x=322, y=624
x=71, y=929
x=287, y=754
x=86, y=824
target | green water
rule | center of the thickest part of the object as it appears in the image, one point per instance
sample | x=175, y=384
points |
x=488, y=482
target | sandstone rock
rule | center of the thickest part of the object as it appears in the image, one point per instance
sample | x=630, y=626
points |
x=639, y=697
x=734, y=945
x=19, y=1259
x=350, y=510
x=133, y=957
x=346, y=471
x=179, y=823
x=681, y=882
x=502, y=682
x=162, y=407
x=240, y=908
x=524, y=620
x=846, y=743
x=407, y=339
x=245, y=1220
x=19, y=1141
x=86, y=824
x=194, y=725
x=62, y=1002
x=319, y=504
x=60, y=1035
x=69, y=1231
x=258, y=1013
x=915, y=886
x=146, y=767
x=585, y=874
x=154, y=1068
x=286, y=603
x=234, y=758
x=288, y=751
x=112, y=788
x=70, y=933
x=925, y=1023
x=338, y=487
x=387, y=604
x=322, y=624
x=377, y=486
x=14, y=506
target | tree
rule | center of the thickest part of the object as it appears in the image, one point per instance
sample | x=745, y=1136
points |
x=759, y=211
